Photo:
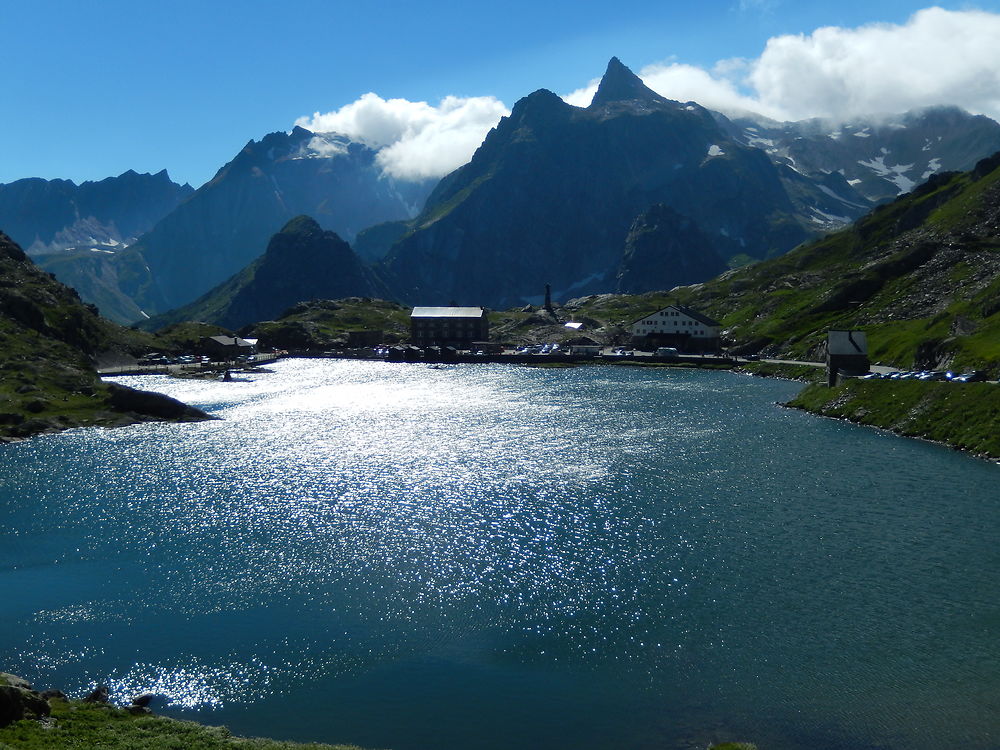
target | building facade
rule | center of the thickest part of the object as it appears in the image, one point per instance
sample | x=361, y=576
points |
x=846, y=354
x=226, y=347
x=679, y=327
x=448, y=326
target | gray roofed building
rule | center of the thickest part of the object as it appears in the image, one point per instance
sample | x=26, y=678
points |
x=448, y=326
x=447, y=312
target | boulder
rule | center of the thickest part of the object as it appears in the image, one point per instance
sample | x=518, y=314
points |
x=151, y=404
x=99, y=694
x=18, y=703
x=10, y=679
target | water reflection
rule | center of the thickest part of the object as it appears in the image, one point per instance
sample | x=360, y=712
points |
x=662, y=545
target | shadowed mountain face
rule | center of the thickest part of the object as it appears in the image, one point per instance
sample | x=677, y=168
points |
x=302, y=262
x=551, y=194
x=226, y=223
x=663, y=250
x=55, y=215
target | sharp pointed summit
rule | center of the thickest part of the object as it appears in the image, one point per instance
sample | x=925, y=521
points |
x=620, y=84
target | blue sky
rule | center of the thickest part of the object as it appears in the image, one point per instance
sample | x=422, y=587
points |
x=93, y=89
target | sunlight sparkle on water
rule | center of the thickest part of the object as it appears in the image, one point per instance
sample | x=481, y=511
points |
x=666, y=544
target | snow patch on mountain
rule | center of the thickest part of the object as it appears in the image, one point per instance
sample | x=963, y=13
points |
x=895, y=174
x=933, y=167
x=828, y=221
x=323, y=146
x=840, y=198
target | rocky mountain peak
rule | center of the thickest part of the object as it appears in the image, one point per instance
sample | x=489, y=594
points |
x=619, y=84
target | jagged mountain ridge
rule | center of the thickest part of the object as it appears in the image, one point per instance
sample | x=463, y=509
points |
x=551, y=193
x=881, y=157
x=822, y=184
x=46, y=216
x=227, y=222
x=302, y=262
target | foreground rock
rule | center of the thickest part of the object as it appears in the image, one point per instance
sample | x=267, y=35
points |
x=18, y=701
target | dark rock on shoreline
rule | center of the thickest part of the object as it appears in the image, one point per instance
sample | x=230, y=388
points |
x=18, y=701
x=155, y=405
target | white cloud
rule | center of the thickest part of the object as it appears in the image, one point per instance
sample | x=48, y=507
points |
x=417, y=140
x=582, y=97
x=936, y=57
x=717, y=89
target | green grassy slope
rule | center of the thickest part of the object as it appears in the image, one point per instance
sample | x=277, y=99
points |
x=921, y=276
x=76, y=724
x=964, y=416
x=50, y=343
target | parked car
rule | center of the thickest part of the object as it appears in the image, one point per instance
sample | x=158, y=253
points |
x=976, y=376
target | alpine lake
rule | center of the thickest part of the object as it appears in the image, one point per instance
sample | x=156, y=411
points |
x=479, y=557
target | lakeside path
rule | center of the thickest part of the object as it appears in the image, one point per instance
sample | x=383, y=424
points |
x=254, y=360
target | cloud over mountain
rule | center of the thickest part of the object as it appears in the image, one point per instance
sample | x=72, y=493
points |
x=418, y=140
x=936, y=57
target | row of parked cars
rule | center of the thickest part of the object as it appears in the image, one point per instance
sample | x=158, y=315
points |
x=540, y=349
x=163, y=359
x=975, y=376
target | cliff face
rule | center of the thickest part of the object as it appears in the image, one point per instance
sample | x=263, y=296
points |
x=50, y=343
x=664, y=249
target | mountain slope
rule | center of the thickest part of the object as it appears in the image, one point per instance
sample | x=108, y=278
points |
x=50, y=343
x=920, y=275
x=550, y=196
x=55, y=215
x=881, y=157
x=664, y=249
x=221, y=228
x=302, y=262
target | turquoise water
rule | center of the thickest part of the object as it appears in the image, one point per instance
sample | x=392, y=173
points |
x=488, y=556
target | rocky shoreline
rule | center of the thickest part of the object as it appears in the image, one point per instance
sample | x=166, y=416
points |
x=48, y=720
x=960, y=416
x=110, y=405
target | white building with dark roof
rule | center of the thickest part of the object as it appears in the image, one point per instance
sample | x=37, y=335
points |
x=678, y=326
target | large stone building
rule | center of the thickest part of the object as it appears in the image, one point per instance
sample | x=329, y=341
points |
x=448, y=326
x=679, y=327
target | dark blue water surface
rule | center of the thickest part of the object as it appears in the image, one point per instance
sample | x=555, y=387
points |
x=483, y=557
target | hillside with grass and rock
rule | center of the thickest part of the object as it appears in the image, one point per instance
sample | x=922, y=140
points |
x=921, y=276
x=50, y=346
